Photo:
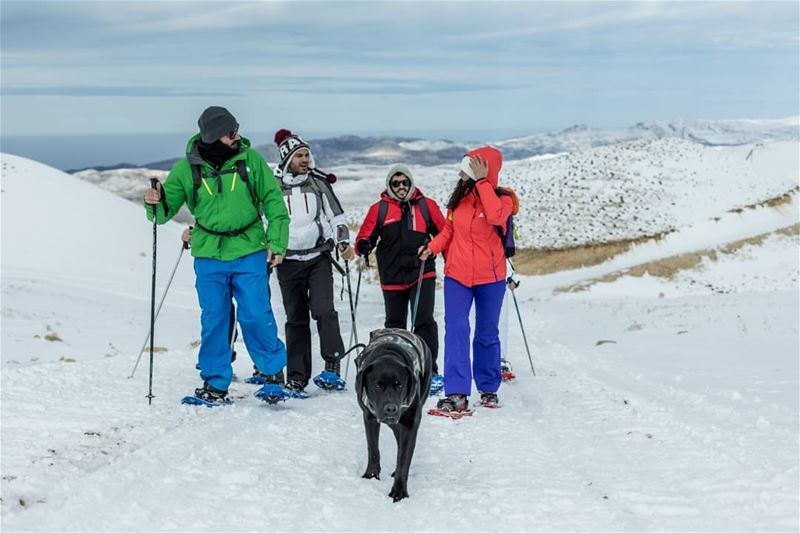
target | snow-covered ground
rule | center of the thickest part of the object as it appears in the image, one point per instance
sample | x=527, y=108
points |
x=658, y=404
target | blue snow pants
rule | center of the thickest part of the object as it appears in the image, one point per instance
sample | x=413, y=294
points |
x=485, y=366
x=246, y=280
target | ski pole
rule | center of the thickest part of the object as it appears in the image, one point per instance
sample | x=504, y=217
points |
x=512, y=282
x=353, y=331
x=154, y=185
x=416, y=297
x=184, y=246
x=355, y=310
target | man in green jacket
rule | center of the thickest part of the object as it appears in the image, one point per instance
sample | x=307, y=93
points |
x=227, y=185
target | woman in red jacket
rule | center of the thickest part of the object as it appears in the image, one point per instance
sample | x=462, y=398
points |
x=475, y=270
x=402, y=221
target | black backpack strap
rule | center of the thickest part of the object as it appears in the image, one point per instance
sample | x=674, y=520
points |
x=229, y=233
x=383, y=208
x=196, y=179
x=241, y=168
x=426, y=215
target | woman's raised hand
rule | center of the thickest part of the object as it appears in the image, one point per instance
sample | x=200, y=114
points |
x=479, y=166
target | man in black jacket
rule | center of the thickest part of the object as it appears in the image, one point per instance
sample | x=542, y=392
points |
x=402, y=221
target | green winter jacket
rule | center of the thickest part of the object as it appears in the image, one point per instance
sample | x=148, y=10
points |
x=227, y=206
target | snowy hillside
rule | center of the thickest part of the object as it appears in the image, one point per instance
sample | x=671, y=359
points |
x=706, y=132
x=614, y=193
x=607, y=194
x=660, y=403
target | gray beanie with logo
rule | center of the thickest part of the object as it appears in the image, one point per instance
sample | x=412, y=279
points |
x=215, y=123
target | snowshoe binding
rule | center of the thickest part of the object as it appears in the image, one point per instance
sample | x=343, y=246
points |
x=506, y=372
x=452, y=406
x=207, y=396
x=259, y=378
x=297, y=389
x=490, y=400
x=437, y=384
x=331, y=378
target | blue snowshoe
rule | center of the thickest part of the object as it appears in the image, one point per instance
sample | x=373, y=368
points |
x=329, y=381
x=207, y=396
x=273, y=393
x=437, y=384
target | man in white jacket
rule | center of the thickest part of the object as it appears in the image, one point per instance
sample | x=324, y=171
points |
x=317, y=224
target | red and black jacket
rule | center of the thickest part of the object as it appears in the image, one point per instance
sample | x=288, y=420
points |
x=403, y=231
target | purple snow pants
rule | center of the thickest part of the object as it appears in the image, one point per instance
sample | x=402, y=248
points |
x=485, y=344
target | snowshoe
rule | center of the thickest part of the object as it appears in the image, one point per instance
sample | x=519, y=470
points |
x=506, y=372
x=207, y=396
x=452, y=406
x=329, y=381
x=273, y=393
x=437, y=384
x=490, y=400
x=259, y=378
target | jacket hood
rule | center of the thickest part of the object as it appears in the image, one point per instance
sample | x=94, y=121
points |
x=493, y=158
x=193, y=153
x=403, y=170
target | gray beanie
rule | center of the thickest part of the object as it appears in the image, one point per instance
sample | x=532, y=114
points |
x=215, y=123
x=399, y=169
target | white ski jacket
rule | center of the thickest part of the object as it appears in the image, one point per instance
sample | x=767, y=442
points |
x=316, y=218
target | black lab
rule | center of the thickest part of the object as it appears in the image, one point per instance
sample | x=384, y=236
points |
x=393, y=381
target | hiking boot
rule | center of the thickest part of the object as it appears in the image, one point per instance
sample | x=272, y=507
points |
x=212, y=395
x=276, y=379
x=259, y=378
x=506, y=372
x=334, y=366
x=453, y=403
x=489, y=399
x=295, y=386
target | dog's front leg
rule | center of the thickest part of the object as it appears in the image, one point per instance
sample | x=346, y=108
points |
x=406, y=436
x=373, y=428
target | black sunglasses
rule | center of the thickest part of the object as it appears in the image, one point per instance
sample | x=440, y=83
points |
x=233, y=133
x=401, y=183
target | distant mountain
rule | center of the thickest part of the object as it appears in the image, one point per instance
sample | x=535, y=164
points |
x=350, y=149
x=103, y=168
x=347, y=149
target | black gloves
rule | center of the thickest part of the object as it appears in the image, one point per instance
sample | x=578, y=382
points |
x=364, y=247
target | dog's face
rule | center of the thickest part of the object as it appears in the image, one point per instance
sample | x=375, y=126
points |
x=389, y=386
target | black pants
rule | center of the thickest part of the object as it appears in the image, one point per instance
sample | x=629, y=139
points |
x=307, y=286
x=397, y=305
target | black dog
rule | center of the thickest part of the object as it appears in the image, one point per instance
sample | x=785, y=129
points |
x=393, y=381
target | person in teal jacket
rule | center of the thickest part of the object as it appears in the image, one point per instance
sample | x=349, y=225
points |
x=227, y=186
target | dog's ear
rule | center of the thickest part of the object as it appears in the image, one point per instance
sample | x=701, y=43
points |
x=411, y=385
x=361, y=385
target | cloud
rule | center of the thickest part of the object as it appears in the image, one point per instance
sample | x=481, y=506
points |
x=116, y=91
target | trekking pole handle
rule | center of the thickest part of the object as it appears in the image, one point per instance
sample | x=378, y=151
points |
x=187, y=244
x=154, y=185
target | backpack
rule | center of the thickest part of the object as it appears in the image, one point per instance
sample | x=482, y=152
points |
x=507, y=233
x=383, y=208
x=198, y=179
x=241, y=169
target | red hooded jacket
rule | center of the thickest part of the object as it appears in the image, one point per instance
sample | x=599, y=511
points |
x=474, y=250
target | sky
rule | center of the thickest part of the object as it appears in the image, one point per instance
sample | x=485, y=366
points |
x=459, y=70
